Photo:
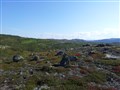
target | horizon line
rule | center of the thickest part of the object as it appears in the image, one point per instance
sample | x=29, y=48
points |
x=60, y=38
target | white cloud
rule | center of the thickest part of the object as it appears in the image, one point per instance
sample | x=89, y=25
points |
x=89, y=35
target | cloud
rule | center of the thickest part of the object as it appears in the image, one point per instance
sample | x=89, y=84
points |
x=87, y=35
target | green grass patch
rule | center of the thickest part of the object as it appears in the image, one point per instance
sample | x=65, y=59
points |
x=110, y=62
x=97, y=76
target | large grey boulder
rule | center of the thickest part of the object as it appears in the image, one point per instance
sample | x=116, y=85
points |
x=17, y=58
x=65, y=61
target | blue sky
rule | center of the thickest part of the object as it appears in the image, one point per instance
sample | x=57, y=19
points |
x=61, y=19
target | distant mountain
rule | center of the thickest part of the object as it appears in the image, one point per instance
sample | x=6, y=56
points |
x=11, y=38
x=111, y=40
x=78, y=40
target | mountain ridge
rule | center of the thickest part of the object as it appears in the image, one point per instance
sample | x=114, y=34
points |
x=107, y=40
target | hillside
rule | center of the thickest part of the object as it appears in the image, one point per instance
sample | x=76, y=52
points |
x=32, y=44
x=33, y=64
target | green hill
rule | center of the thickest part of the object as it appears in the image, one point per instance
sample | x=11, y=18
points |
x=31, y=44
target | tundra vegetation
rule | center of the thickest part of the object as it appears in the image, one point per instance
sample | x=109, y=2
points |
x=28, y=64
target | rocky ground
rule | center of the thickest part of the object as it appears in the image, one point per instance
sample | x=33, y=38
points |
x=97, y=68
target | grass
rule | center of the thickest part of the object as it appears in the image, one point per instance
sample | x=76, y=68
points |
x=110, y=62
x=97, y=76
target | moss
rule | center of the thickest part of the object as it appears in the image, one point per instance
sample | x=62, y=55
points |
x=97, y=76
x=61, y=69
x=74, y=83
x=110, y=62
x=31, y=82
x=71, y=87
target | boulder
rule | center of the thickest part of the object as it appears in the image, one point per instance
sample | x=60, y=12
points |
x=72, y=58
x=59, y=53
x=34, y=58
x=17, y=58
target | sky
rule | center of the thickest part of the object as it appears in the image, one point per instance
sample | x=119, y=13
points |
x=61, y=19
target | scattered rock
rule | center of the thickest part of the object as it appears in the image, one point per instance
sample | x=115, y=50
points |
x=17, y=58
